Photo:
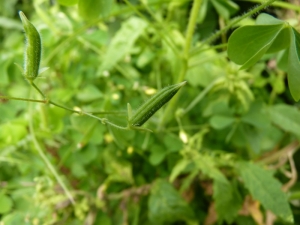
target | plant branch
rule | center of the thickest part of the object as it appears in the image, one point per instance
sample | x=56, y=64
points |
x=233, y=22
x=45, y=159
x=188, y=42
x=23, y=99
x=33, y=85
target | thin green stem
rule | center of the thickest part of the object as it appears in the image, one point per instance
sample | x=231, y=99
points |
x=102, y=120
x=74, y=35
x=36, y=88
x=200, y=96
x=64, y=107
x=45, y=159
x=108, y=112
x=232, y=23
x=169, y=41
x=191, y=28
x=189, y=36
x=23, y=99
x=114, y=125
x=284, y=5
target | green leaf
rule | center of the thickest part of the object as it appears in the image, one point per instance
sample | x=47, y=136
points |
x=248, y=44
x=123, y=41
x=266, y=19
x=282, y=40
x=257, y=116
x=294, y=64
x=166, y=205
x=286, y=117
x=179, y=168
x=92, y=9
x=68, y=2
x=172, y=142
x=5, y=204
x=206, y=164
x=119, y=170
x=220, y=122
x=158, y=154
x=4, y=64
x=227, y=201
x=89, y=93
x=266, y=189
x=225, y=8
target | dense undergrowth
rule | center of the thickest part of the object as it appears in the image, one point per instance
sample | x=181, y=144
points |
x=222, y=151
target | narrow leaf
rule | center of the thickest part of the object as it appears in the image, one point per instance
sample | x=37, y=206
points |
x=123, y=41
x=294, y=64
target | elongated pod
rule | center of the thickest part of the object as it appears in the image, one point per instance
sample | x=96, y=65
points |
x=33, y=49
x=145, y=111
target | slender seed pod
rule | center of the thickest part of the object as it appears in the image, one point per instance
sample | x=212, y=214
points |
x=33, y=49
x=145, y=111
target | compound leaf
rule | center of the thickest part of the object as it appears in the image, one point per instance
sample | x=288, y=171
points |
x=266, y=189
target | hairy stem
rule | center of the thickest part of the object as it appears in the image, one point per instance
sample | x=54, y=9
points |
x=233, y=22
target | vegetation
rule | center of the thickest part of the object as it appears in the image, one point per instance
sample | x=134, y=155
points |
x=140, y=112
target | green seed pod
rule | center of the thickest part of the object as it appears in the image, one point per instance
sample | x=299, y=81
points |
x=144, y=112
x=33, y=49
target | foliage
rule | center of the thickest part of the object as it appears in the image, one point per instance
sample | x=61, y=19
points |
x=222, y=151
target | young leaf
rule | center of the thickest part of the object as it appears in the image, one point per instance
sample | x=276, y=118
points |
x=220, y=122
x=122, y=42
x=294, y=64
x=92, y=9
x=266, y=19
x=266, y=189
x=145, y=111
x=166, y=205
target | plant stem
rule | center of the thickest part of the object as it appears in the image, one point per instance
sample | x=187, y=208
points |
x=233, y=22
x=33, y=85
x=63, y=107
x=102, y=120
x=188, y=42
x=163, y=34
x=191, y=29
x=200, y=96
x=45, y=159
x=284, y=5
x=23, y=99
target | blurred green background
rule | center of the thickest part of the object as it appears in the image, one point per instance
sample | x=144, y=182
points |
x=224, y=152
